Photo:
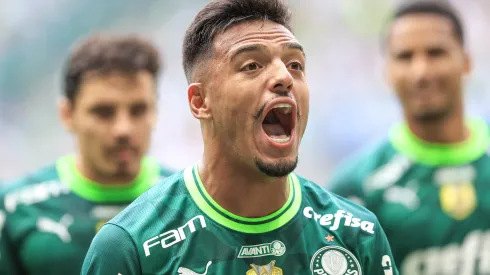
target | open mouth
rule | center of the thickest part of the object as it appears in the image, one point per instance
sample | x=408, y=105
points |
x=278, y=123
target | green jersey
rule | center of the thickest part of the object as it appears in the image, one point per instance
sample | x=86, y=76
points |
x=48, y=219
x=177, y=228
x=432, y=200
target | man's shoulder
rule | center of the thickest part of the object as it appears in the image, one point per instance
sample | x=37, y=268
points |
x=33, y=187
x=367, y=159
x=349, y=206
x=350, y=223
x=159, y=204
x=37, y=186
x=327, y=201
x=46, y=173
x=351, y=173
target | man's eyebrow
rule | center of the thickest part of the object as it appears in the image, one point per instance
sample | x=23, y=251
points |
x=258, y=47
x=247, y=48
x=295, y=46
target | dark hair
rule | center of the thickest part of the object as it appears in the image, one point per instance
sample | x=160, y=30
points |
x=441, y=8
x=106, y=54
x=217, y=16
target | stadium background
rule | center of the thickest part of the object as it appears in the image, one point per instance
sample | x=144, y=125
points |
x=351, y=105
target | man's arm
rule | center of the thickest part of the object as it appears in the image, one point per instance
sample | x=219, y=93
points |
x=347, y=183
x=377, y=256
x=6, y=264
x=9, y=264
x=112, y=252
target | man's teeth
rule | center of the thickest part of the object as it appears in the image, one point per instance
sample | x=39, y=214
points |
x=286, y=108
x=281, y=139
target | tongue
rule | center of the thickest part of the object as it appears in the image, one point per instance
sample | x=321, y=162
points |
x=274, y=130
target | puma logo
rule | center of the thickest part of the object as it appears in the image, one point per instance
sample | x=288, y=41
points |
x=186, y=271
x=60, y=228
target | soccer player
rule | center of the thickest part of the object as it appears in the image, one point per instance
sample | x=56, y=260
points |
x=49, y=218
x=428, y=183
x=241, y=210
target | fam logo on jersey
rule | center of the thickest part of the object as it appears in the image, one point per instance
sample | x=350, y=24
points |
x=275, y=248
x=457, y=192
x=268, y=269
x=175, y=236
x=334, y=260
x=336, y=219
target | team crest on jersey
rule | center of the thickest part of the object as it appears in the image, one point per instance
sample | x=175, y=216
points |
x=334, y=260
x=457, y=192
x=275, y=248
x=268, y=269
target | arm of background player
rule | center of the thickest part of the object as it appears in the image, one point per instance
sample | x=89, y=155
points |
x=376, y=254
x=346, y=182
x=8, y=265
x=112, y=252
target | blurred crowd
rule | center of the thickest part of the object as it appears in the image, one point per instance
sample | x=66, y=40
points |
x=351, y=105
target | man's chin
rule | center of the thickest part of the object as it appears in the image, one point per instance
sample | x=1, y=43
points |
x=279, y=168
x=124, y=177
x=433, y=115
x=124, y=171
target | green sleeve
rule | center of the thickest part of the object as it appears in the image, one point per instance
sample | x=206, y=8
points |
x=8, y=264
x=347, y=183
x=377, y=256
x=112, y=252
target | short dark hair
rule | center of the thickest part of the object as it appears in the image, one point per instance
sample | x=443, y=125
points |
x=106, y=54
x=217, y=16
x=441, y=8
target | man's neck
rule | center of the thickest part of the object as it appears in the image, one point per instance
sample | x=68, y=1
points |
x=448, y=130
x=91, y=173
x=241, y=190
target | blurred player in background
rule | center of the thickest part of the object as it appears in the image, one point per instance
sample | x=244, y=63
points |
x=241, y=210
x=429, y=183
x=48, y=218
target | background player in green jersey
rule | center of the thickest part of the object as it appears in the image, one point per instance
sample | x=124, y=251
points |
x=48, y=218
x=428, y=183
x=241, y=210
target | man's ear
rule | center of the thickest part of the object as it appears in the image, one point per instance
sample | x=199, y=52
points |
x=65, y=112
x=198, y=102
